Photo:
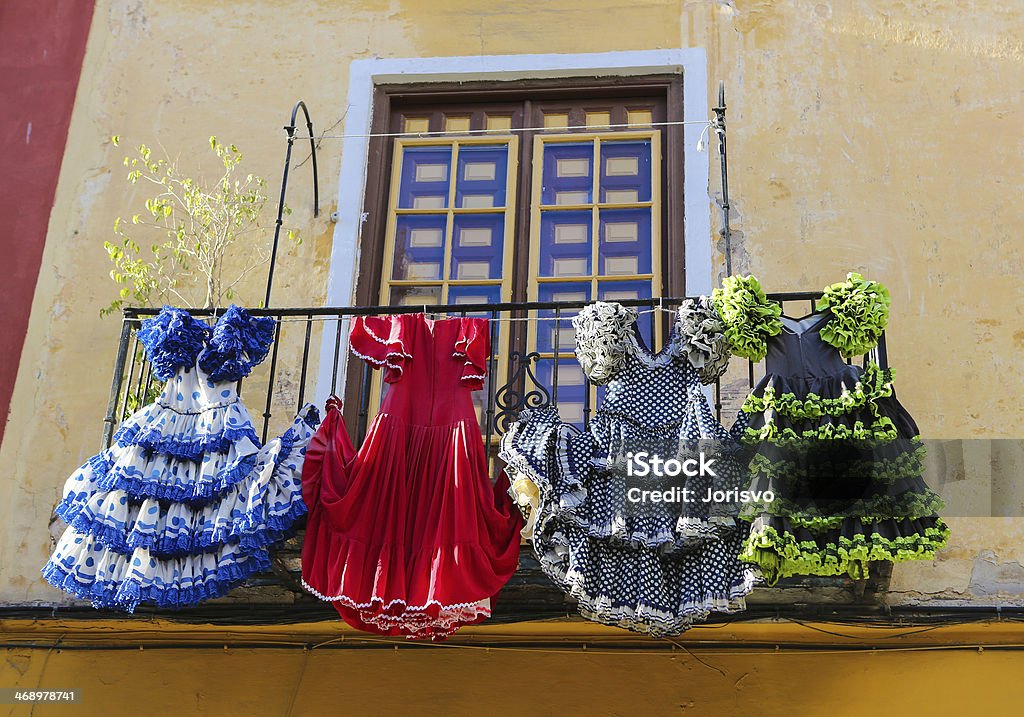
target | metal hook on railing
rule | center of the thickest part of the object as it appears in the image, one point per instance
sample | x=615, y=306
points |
x=290, y=129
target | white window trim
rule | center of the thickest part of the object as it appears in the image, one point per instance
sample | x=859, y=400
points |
x=364, y=75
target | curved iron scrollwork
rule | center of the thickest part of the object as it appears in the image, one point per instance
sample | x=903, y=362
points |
x=514, y=396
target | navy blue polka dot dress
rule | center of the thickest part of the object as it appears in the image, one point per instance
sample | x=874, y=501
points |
x=653, y=568
x=185, y=503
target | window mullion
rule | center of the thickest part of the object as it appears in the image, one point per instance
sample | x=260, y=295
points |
x=449, y=231
x=595, y=231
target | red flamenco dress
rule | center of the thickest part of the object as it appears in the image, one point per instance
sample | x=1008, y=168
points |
x=408, y=536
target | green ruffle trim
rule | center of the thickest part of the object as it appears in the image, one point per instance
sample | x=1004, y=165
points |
x=860, y=311
x=875, y=383
x=868, y=510
x=780, y=556
x=909, y=464
x=881, y=429
x=748, y=316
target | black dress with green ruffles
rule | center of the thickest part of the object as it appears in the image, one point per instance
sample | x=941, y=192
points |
x=836, y=460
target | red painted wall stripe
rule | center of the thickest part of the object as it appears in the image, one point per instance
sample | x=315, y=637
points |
x=42, y=43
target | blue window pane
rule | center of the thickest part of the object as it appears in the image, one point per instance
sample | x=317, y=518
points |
x=619, y=290
x=565, y=244
x=425, y=175
x=419, y=247
x=478, y=247
x=571, y=387
x=547, y=327
x=624, y=242
x=625, y=172
x=474, y=295
x=568, y=173
x=482, y=176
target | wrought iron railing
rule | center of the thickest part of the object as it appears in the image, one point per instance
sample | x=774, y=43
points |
x=279, y=387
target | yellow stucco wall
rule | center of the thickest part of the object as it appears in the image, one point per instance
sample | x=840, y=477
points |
x=881, y=136
x=827, y=669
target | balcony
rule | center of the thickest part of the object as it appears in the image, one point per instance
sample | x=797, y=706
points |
x=294, y=374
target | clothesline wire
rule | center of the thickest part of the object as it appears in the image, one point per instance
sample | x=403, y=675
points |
x=707, y=123
x=285, y=320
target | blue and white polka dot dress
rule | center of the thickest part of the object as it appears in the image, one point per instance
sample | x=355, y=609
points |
x=654, y=570
x=184, y=504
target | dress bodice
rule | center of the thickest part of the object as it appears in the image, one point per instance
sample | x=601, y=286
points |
x=431, y=366
x=650, y=396
x=646, y=379
x=799, y=351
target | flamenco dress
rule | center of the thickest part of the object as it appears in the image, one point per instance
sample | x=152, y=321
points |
x=655, y=570
x=408, y=536
x=185, y=503
x=841, y=457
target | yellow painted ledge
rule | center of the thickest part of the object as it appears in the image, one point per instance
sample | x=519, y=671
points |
x=570, y=634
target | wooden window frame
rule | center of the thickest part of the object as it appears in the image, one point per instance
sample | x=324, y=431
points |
x=519, y=96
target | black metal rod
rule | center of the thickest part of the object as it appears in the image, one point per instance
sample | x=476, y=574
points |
x=719, y=127
x=586, y=402
x=554, y=368
x=490, y=384
x=128, y=378
x=718, y=399
x=270, y=382
x=115, y=384
x=142, y=390
x=337, y=357
x=305, y=361
x=290, y=129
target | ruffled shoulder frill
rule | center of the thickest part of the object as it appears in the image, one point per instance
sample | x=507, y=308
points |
x=239, y=342
x=860, y=311
x=702, y=339
x=602, y=339
x=748, y=315
x=383, y=342
x=473, y=346
x=173, y=339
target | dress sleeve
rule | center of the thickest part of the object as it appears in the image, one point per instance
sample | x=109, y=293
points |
x=702, y=338
x=860, y=312
x=239, y=342
x=382, y=341
x=749, y=317
x=173, y=339
x=602, y=342
x=473, y=347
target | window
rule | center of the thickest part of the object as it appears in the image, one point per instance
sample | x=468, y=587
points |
x=593, y=236
x=448, y=219
x=535, y=191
